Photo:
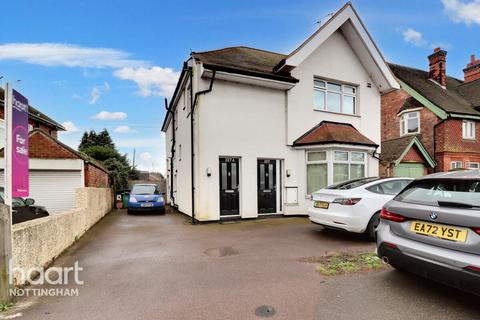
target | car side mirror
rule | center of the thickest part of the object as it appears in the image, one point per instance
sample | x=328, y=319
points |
x=163, y=193
x=29, y=202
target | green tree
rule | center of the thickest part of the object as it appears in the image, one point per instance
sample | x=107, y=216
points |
x=100, y=147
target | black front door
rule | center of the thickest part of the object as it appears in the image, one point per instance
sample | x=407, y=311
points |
x=267, y=186
x=229, y=193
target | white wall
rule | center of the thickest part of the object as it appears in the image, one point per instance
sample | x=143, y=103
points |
x=251, y=122
x=334, y=60
x=182, y=160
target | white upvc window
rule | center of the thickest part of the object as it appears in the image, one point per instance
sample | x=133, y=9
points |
x=2, y=133
x=348, y=165
x=473, y=165
x=456, y=165
x=333, y=166
x=468, y=130
x=317, y=171
x=410, y=123
x=334, y=97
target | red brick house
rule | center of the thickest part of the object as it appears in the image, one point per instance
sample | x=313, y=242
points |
x=56, y=170
x=432, y=123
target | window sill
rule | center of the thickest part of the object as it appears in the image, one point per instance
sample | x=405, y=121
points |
x=469, y=139
x=339, y=113
x=410, y=134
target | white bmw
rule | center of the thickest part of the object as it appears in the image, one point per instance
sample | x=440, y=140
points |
x=354, y=205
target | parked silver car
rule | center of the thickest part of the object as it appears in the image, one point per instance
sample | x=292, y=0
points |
x=432, y=228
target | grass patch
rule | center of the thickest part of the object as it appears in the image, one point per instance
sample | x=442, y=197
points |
x=343, y=263
x=5, y=306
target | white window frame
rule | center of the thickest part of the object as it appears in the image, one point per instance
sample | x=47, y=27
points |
x=3, y=139
x=457, y=164
x=404, y=123
x=309, y=162
x=342, y=93
x=476, y=165
x=330, y=161
x=468, y=130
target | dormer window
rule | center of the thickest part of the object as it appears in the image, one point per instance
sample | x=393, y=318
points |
x=410, y=123
x=334, y=97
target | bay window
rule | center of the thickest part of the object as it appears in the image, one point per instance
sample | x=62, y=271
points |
x=317, y=171
x=333, y=166
x=410, y=123
x=334, y=97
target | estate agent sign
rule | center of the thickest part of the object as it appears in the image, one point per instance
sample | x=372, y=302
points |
x=20, y=181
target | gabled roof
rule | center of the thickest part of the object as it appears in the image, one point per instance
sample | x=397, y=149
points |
x=244, y=60
x=355, y=32
x=277, y=66
x=395, y=150
x=457, y=97
x=327, y=132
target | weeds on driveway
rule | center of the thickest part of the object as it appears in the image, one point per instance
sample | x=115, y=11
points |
x=343, y=263
x=5, y=306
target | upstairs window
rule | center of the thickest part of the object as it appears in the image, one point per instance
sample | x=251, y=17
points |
x=334, y=97
x=410, y=123
x=468, y=130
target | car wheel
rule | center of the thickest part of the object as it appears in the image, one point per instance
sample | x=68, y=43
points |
x=373, y=225
x=129, y=212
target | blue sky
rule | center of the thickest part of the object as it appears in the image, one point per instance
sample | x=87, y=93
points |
x=94, y=65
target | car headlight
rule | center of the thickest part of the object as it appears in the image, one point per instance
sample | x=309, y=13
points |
x=160, y=199
x=132, y=199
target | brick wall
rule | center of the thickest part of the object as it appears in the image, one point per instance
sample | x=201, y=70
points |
x=413, y=155
x=391, y=104
x=94, y=177
x=42, y=147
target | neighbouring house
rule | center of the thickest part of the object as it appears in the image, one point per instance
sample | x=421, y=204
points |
x=251, y=132
x=431, y=124
x=56, y=170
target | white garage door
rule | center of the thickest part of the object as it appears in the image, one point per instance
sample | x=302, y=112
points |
x=54, y=189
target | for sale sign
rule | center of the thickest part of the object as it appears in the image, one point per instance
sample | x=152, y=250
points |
x=20, y=181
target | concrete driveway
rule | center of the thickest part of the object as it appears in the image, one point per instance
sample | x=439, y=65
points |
x=161, y=267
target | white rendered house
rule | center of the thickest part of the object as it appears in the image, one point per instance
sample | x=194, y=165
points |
x=267, y=129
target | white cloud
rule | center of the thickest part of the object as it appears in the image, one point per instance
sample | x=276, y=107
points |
x=124, y=129
x=105, y=115
x=154, y=81
x=414, y=37
x=67, y=55
x=97, y=92
x=146, y=156
x=70, y=127
x=467, y=12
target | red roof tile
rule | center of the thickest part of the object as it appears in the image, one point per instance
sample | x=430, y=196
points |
x=333, y=132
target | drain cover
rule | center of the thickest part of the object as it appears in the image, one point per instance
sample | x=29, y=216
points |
x=221, y=252
x=265, y=311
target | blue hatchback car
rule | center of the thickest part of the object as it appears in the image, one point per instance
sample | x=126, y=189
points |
x=146, y=198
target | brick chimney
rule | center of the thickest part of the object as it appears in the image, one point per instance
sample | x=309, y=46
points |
x=472, y=71
x=438, y=66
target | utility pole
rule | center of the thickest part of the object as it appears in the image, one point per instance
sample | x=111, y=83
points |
x=133, y=160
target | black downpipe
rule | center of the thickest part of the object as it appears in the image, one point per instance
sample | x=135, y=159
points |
x=193, y=103
x=172, y=151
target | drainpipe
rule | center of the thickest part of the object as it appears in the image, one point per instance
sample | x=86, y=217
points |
x=172, y=151
x=193, y=103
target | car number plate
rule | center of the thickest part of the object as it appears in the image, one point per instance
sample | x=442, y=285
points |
x=146, y=205
x=439, y=231
x=321, y=204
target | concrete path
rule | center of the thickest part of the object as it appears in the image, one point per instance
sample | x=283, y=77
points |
x=161, y=267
